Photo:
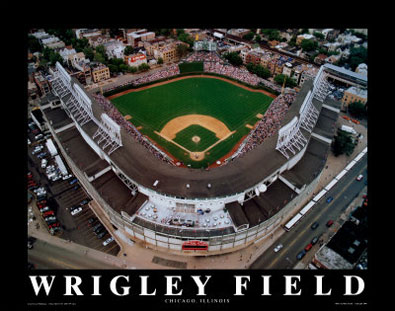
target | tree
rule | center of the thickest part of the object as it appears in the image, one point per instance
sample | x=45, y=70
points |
x=132, y=69
x=343, y=143
x=101, y=49
x=160, y=60
x=184, y=37
x=128, y=50
x=249, y=36
x=88, y=52
x=113, y=68
x=259, y=70
x=258, y=38
x=279, y=79
x=357, y=109
x=319, y=35
x=123, y=67
x=181, y=49
x=99, y=57
x=33, y=44
x=233, y=58
x=143, y=67
x=308, y=45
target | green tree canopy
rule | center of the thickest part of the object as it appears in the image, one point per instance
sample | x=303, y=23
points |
x=259, y=70
x=279, y=79
x=160, y=60
x=128, y=50
x=308, y=45
x=143, y=67
x=33, y=44
x=357, y=109
x=318, y=35
x=249, y=36
x=88, y=52
x=181, y=49
x=343, y=143
x=233, y=58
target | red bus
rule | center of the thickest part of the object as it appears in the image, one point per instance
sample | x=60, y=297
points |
x=195, y=246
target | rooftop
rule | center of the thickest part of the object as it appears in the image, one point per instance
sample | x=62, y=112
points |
x=357, y=91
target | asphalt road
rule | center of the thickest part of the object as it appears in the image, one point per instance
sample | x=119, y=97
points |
x=46, y=255
x=301, y=234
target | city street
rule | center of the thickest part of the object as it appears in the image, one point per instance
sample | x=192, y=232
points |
x=47, y=255
x=301, y=234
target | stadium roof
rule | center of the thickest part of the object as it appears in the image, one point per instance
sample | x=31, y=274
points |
x=354, y=76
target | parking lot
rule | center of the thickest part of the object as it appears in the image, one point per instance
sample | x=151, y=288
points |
x=64, y=195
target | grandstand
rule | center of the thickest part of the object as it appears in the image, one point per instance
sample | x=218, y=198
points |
x=227, y=208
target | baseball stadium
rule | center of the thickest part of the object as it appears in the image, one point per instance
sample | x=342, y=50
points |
x=195, y=163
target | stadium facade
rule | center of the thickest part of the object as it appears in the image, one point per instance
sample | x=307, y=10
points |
x=189, y=211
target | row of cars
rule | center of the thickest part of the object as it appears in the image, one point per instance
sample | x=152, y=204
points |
x=41, y=202
x=99, y=230
x=314, y=241
x=309, y=246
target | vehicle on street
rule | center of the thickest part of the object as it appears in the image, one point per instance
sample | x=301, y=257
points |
x=329, y=200
x=315, y=239
x=308, y=247
x=30, y=242
x=278, y=247
x=329, y=223
x=314, y=225
x=76, y=211
x=301, y=255
x=74, y=207
x=108, y=241
x=360, y=177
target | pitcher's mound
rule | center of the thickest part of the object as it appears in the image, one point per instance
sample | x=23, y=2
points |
x=196, y=139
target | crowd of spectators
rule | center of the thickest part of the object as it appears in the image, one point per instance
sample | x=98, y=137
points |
x=114, y=114
x=169, y=71
x=269, y=124
x=203, y=56
x=233, y=72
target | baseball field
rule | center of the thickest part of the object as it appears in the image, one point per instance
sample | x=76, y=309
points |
x=196, y=120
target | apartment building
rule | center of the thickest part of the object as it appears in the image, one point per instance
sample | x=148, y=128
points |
x=42, y=83
x=354, y=94
x=100, y=72
x=135, y=60
x=133, y=38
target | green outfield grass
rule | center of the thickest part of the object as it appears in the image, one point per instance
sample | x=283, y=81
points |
x=152, y=108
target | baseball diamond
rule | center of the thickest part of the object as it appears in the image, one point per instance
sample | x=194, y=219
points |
x=214, y=110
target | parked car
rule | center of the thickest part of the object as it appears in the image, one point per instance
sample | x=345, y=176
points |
x=308, y=247
x=329, y=200
x=278, y=247
x=360, y=177
x=329, y=223
x=85, y=201
x=49, y=218
x=48, y=213
x=74, y=207
x=108, y=241
x=73, y=181
x=45, y=209
x=97, y=227
x=102, y=234
x=76, y=211
x=314, y=225
x=301, y=255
